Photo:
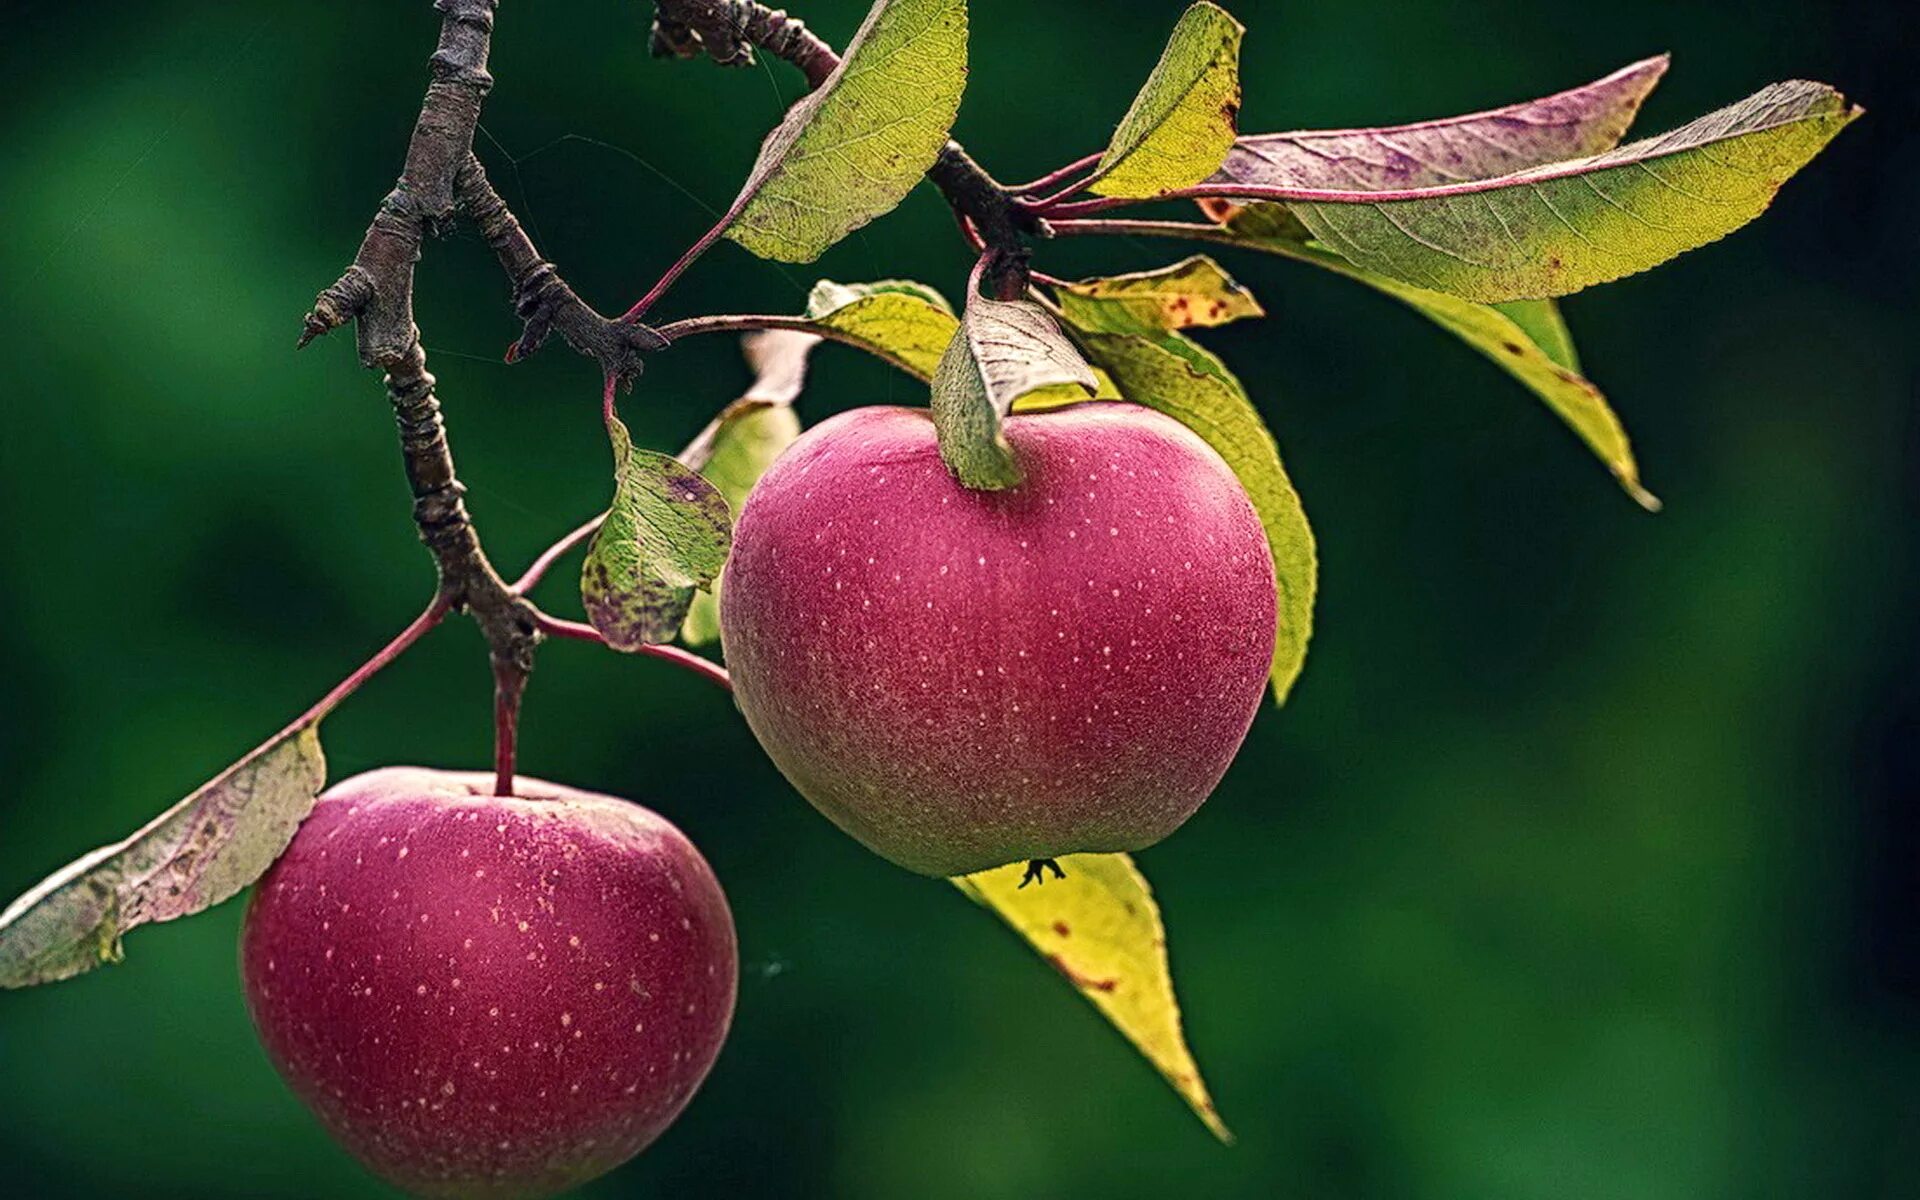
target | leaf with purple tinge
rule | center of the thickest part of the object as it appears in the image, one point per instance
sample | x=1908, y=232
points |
x=1570, y=124
x=665, y=536
x=195, y=855
x=1557, y=228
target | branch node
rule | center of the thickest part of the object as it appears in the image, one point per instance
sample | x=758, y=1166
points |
x=339, y=302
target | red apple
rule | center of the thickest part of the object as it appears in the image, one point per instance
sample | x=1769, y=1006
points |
x=962, y=679
x=484, y=996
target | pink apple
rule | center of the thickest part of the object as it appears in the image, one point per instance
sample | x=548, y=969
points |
x=962, y=679
x=484, y=996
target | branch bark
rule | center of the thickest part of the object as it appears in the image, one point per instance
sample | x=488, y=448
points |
x=376, y=293
x=541, y=298
x=727, y=31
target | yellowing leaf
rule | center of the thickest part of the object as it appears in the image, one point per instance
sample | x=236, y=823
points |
x=852, y=148
x=1004, y=349
x=196, y=854
x=1181, y=124
x=908, y=324
x=1100, y=928
x=738, y=446
x=665, y=535
x=1191, y=293
x=1526, y=339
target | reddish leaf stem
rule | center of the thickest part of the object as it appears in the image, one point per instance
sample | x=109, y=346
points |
x=579, y=631
x=678, y=269
x=553, y=554
x=417, y=629
x=1056, y=177
x=1194, y=230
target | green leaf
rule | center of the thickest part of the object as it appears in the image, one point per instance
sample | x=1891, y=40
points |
x=195, y=855
x=738, y=446
x=908, y=324
x=1526, y=339
x=852, y=148
x=1003, y=350
x=1101, y=930
x=1194, y=292
x=1544, y=325
x=1556, y=229
x=1173, y=374
x=666, y=535
x=1181, y=124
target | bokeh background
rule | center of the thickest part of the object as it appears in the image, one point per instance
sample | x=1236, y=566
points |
x=1581, y=865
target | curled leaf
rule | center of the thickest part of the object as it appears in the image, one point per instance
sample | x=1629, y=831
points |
x=742, y=442
x=665, y=536
x=1191, y=293
x=907, y=324
x=852, y=148
x=1003, y=350
x=198, y=853
x=1527, y=339
x=1181, y=124
x=1101, y=930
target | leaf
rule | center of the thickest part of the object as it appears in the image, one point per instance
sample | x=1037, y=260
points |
x=1584, y=120
x=908, y=324
x=1543, y=324
x=742, y=442
x=1181, y=124
x=1100, y=928
x=1173, y=374
x=198, y=853
x=666, y=534
x=1527, y=339
x=1555, y=229
x=1003, y=350
x=852, y=148
x=1193, y=292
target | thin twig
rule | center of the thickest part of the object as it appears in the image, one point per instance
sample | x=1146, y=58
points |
x=706, y=668
x=542, y=299
x=376, y=293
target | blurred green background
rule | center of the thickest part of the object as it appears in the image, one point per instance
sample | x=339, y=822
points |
x=1581, y=865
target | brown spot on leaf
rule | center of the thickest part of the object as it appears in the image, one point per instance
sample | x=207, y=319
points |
x=1081, y=981
x=1060, y=927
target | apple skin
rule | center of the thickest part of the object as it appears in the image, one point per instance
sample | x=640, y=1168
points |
x=483, y=996
x=961, y=679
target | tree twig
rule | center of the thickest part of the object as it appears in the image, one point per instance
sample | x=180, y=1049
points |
x=376, y=293
x=541, y=298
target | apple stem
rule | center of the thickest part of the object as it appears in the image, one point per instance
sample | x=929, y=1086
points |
x=509, y=685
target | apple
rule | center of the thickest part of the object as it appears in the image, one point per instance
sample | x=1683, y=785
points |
x=489, y=996
x=961, y=679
